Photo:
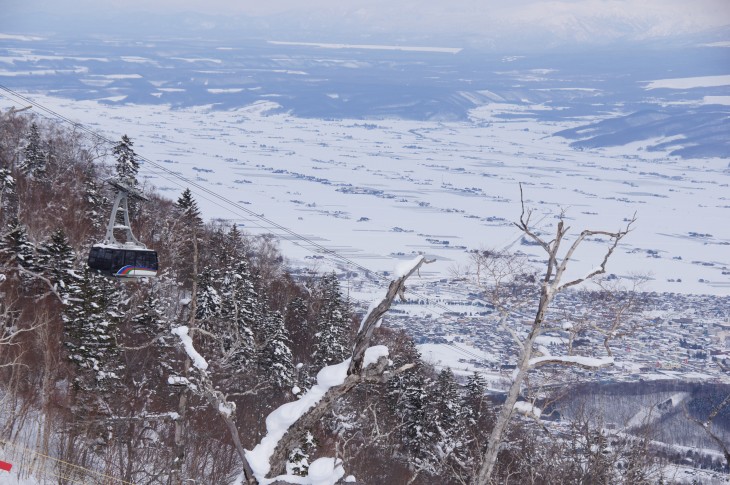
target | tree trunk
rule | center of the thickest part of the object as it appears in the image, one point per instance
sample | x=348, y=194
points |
x=505, y=414
x=176, y=475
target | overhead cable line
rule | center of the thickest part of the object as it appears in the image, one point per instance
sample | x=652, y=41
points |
x=234, y=207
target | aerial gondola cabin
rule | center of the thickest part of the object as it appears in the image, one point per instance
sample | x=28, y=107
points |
x=129, y=262
x=129, y=259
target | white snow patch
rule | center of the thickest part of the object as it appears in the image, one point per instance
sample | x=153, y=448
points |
x=527, y=409
x=24, y=38
x=177, y=381
x=724, y=100
x=198, y=360
x=448, y=50
x=325, y=471
x=225, y=91
x=226, y=408
x=689, y=82
x=402, y=269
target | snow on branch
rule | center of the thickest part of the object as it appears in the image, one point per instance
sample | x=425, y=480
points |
x=408, y=267
x=526, y=408
x=282, y=418
x=397, y=287
x=198, y=360
x=572, y=360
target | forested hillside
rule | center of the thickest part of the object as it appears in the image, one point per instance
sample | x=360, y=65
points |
x=97, y=377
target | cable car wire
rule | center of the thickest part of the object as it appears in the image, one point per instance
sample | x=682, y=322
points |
x=236, y=208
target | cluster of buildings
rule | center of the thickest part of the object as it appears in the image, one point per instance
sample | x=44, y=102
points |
x=661, y=335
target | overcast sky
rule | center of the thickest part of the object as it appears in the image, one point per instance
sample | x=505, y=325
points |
x=567, y=19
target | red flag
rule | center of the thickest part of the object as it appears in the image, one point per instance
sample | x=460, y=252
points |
x=5, y=466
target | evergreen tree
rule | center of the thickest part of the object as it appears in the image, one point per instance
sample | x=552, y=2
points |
x=333, y=324
x=127, y=166
x=17, y=248
x=208, y=299
x=8, y=195
x=446, y=420
x=447, y=401
x=56, y=257
x=234, y=246
x=34, y=160
x=90, y=323
x=240, y=314
x=95, y=202
x=296, y=324
x=298, y=463
x=275, y=358
x=476, y=385
x=188, y=207
x=410, y=396
x=150, y=323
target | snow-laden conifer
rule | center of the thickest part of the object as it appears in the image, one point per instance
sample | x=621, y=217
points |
x=275, y=358
x=333, y=324
x=34, y=156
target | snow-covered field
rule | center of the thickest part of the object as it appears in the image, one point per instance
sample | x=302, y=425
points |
x=375, y=191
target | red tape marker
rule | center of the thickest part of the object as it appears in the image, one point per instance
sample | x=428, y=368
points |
x=5, y=466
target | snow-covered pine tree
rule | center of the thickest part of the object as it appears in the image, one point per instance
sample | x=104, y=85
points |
x=127, y=166
x=90, y=323
x=240, y=313
x=298, y=328
x=8, y=195
x=188, y=208
x=234, y=244
x=299, y=458
x=208, y=299
x=150, y=323
x=275, y=357
x=474, y=390
x=333, y=324
x=95, y=201
x=445, y=415
x=34, y=156
x=56, y=258
x=17, y=248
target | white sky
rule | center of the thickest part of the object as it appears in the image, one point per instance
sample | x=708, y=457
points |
x=571, y=20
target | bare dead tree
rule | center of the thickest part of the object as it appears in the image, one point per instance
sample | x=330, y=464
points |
x=551, y=283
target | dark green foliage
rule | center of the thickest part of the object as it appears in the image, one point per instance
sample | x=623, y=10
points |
x=57, y=257
x=127, y=166
x=16, y=248
x=34, y=156
x=332, y=323
x=8, y=195
x=188, y=208
x=90, y=324
x=95, y=202
x=275, y=358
